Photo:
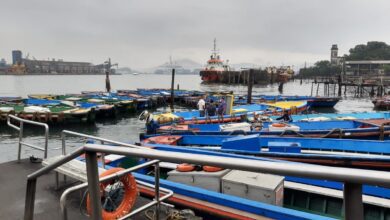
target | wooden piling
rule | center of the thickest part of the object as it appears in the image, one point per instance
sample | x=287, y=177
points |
x=172, y=89
x=311, y=93
x=250, y=85
x=340, y=85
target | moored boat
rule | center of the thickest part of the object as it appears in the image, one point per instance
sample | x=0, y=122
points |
x=382, y=103
x=53, y=114
x=368, y=154
x=312, y=101
x=362, y=129
x=215, y=68
x=232, y=114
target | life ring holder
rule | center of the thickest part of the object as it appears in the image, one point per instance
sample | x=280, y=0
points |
x=129, y=196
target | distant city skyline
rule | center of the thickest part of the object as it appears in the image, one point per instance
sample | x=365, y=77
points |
x=143, y=34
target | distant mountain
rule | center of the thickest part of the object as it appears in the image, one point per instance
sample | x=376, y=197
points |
x=127, y=70
x=182, y=66
x=239, y=66
x=124, y=70
x=181, y=63
x=189, y=64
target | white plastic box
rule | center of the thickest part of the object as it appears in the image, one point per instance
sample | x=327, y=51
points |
x=206, y=180
x=285, y=128
x=244, y=126
x=260, y=187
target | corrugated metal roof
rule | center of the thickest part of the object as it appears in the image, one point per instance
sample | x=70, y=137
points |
x=368, y=62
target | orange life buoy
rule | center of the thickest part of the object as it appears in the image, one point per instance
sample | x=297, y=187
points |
x=129, y=196
x=279, y=125
x=185, y=167
x=211, y=169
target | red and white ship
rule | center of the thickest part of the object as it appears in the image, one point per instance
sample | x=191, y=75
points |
x=215, y=67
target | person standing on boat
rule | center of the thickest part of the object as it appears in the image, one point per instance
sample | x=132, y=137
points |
x=151, y=125
x=221, y=109
x=201, y=107
x=210, y=110
x=285, y=117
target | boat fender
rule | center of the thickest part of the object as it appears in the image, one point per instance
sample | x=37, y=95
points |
x=143, y=115
x=129, y=195
x=211, y=169
x=278, y=125
x=185, y=167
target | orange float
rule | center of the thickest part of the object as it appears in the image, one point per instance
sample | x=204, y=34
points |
x=129, y=197
x=211, y=169
x=278, y=125
x=185, y=167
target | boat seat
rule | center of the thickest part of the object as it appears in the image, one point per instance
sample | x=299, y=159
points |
x=75, y=169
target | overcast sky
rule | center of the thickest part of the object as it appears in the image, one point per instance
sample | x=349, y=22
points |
x=144, y=33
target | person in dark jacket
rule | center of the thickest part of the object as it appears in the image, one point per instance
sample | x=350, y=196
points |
x=285, y=117
x=221, y=111
x=211, y=109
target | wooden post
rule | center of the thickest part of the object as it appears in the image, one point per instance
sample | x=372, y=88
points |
x=318, y=86
x=172, y=89
x=250, y=84
x=311, y=93
x=280, y=88
x=340, y=85
x=325, y=88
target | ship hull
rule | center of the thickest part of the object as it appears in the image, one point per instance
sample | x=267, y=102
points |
x=210, y=76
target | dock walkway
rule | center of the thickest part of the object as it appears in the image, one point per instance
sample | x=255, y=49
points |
x=13, y=179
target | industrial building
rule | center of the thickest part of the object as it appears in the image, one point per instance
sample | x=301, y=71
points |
x=33, y=66
x=358, y=67
x=365, y=67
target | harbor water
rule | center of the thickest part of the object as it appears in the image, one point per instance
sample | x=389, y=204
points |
x=126, y=128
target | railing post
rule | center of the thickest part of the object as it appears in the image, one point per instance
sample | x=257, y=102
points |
x=103, y=157
x=46, y=141
x=157, y=189
x=353, y=202
x=63, y=143
x=93, y=185
x=20, y=141
x=30, y=199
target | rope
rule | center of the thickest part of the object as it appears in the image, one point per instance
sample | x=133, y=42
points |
x=83, y=211
x=172, y=214
x=238, y=132
x=333, y=131
x=324, y=136
x=292, y=131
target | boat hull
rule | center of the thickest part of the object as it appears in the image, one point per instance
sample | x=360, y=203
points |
x=210, y=76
